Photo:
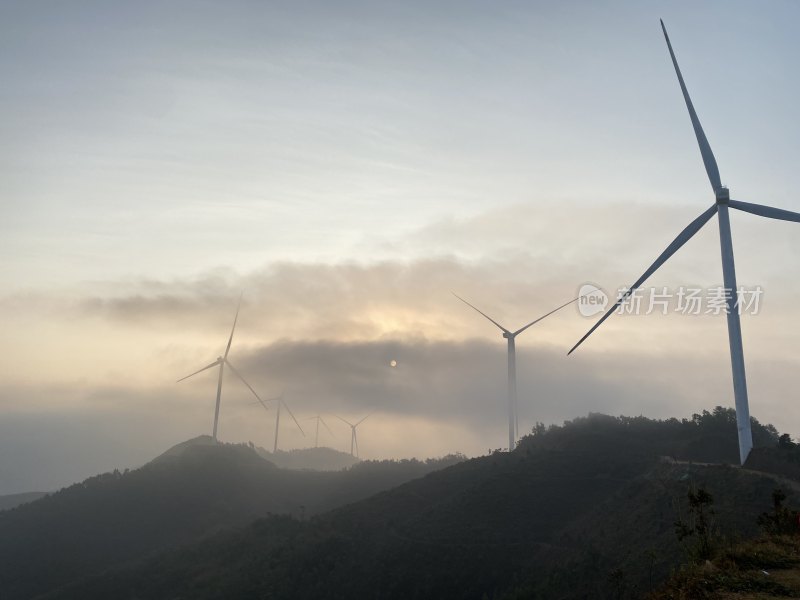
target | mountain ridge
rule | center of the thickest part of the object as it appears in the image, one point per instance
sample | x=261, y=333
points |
x=570, y=507
x=193, y=490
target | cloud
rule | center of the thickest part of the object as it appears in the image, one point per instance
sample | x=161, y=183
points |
x=443, y=396
x=100, y=355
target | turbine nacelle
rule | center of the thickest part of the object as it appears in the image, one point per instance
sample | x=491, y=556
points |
x=221, y=362
x=512, y=368
x=720, y=208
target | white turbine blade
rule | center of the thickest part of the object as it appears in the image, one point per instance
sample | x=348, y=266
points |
x=293, y=418
x=321, y=420
x=362, y=420
x=676, y=244
x=765, y=211
x=244, y=381
x=705, y=149
x=214, y=364
x=481, y=312
x=343, y=420
x=268, y=399
x=230, y=339
x=266, y=408
x=521, y=329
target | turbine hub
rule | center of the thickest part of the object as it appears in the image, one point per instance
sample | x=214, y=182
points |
x=723, y=195
x=507, y=335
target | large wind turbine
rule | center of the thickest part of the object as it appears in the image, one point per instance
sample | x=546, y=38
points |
x=319, y=420
x=221, y=362
x=282, y=403
x=353, y=436
x=720, y=208
x=511, y=336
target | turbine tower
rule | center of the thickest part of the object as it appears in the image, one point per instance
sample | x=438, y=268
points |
x=720, y=208
x=222, y=361
x=282, y=403
x=511, y=336
x=353, y=436
x=319, y=420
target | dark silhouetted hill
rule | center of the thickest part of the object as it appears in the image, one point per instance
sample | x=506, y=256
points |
x=579, y=511
x=179, y=450
x=13, y=500
x=194, y=489
x=314, y=459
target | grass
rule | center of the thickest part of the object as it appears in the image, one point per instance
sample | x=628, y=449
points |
x=766, y=567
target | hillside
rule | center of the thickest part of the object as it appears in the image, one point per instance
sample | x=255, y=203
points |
x=759, y=569
x=583, y=510
x=13, y=500
x=194, y=489
x=177, y=451
x=314, y=459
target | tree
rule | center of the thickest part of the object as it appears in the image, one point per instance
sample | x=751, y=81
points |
x=699, y=527
x=782, y=520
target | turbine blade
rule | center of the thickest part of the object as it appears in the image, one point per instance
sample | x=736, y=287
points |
x=321, y=420
x=343, y=420
x=230, y=339
x=676, y=244
x=293, y=418
x=481, y=312
x=520, y=330
x=244, y=381
x=705, y=149
x=264, y=402
x=214, y=364
x=765, y=211
x=266, y=408
x=362, y=420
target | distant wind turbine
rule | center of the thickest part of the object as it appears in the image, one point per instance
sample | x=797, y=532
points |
x=319, y=420
x=720, y=208
x=264, y=403
x=221, y=362
x=353, y=436
x=513, y=426
x=282, y=403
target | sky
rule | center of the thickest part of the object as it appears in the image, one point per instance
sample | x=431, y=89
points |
x=345, y=167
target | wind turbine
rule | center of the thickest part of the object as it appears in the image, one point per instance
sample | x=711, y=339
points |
x=353, y=436
x=221, y=362
x=319, y=420
x=282, y=403
x=511, y=336
x=720, y=208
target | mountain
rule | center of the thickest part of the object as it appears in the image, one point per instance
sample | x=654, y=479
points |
x=586, y=510
x=315, y=459
x=179, y=450
x=13, y=500
x=194, y=489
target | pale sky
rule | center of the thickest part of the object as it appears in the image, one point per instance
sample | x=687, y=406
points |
x=348, y=165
